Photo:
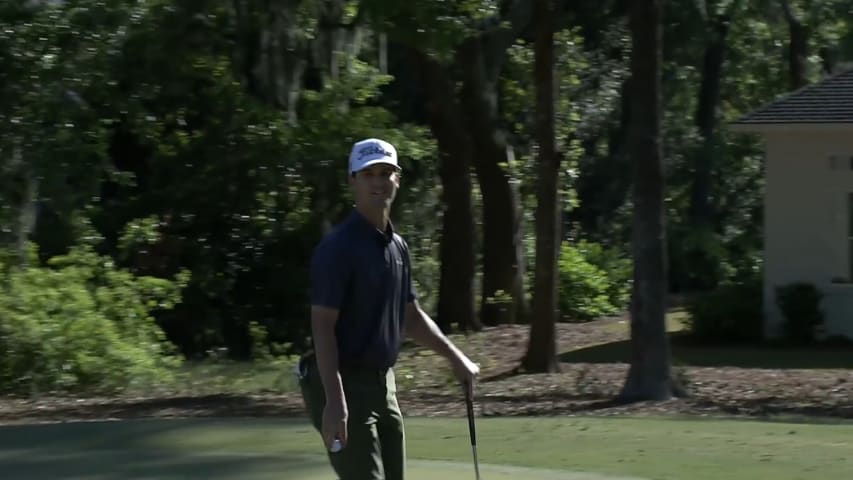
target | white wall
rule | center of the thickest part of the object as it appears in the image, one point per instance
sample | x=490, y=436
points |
x=805, y=226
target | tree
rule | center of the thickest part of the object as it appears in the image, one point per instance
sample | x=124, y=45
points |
x=716, y=20
x=481, y=59
x=798, y=46
x=716, y=32
x=470, y=41
x=457, y=257
x=55, y=75
x=542, y=350
x=649, y=377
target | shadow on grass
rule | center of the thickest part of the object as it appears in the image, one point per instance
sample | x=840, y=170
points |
x=773, y=409
x=81, y=464
x=110, y=450
x=740, y=356
x=220, y=405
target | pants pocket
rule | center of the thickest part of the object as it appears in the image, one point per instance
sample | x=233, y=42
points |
x=313, y=395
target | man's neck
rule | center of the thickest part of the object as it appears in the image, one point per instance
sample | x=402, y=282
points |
x=377, y=218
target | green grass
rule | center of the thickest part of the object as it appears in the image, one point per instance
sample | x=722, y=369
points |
x=676, y=321
x=218, y=377
x=261, y=448
x=273, y=375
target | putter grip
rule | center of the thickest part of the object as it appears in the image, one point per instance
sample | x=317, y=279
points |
x=470, y=405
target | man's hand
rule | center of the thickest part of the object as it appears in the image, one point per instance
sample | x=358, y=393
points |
x=466, y=372
x=335, y=417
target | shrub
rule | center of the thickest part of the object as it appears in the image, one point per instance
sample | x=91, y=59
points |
x=80, y=323
x=731, y=313
x=800, y=305
x=618, y=268
x=587, y=290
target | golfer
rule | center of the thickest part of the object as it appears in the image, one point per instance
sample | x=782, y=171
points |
x=362, y=305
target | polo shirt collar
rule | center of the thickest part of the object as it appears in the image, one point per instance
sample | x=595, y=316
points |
x=365, y=226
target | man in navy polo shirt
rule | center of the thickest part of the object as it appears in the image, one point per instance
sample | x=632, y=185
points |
x=362, y=305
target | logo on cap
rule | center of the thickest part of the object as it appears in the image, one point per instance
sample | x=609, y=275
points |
x=370, y=152
x=373, y=150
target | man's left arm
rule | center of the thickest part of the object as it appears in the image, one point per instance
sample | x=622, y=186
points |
x=423, y=330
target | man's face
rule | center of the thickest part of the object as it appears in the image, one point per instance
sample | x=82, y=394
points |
x=375, y=186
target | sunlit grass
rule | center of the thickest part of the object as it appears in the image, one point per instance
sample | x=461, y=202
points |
x=676, y=321
x=218, y=377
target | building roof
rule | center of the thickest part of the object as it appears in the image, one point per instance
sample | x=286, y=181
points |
x=827, y=102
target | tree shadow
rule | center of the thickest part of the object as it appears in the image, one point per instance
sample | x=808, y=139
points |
x=129, y=449
x=87, y=435
x=687, y=353
x=165, y=465
x=772, y=409
x=216, y=405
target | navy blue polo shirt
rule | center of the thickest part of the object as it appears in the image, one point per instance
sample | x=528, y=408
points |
x=365, y=274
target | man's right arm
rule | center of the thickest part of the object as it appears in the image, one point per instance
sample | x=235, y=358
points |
x=323, y=320
x=328, y=285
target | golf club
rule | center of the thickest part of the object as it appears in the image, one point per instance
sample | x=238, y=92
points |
x=471, y=430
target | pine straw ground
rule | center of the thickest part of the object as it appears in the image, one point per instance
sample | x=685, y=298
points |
x=757, y=382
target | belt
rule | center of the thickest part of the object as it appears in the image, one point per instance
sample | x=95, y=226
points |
x=309, y=359
x=363, y=370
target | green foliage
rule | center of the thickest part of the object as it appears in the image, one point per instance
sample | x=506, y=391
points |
x=616, y=265
x=212, y=137
x=211, y=178
x=732, y=313
x=81, y=323
x=436, y=26
x=698, y=258
x=800, y=305
x=594, y=282
x=55, y=78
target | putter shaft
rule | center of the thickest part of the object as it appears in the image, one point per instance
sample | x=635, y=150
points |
x=476, y=462
x=472, y=431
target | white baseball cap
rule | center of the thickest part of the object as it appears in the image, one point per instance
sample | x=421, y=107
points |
x=370, y=152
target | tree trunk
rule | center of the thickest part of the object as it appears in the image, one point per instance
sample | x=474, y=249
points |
x=502, y=298
x=828, y=60
x=649, y=377
x=542, y=349
x=456, y=279
x=479, y=61
x=270, y=53
x=798, y=46
x=19, y=194
x=701, y=210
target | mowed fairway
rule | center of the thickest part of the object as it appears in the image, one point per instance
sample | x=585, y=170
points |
x=558, y=448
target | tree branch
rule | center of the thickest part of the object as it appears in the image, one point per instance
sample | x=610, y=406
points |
x=496, y=38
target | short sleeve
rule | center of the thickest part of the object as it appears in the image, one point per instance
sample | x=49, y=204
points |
x=329, y=274
x=411, y=293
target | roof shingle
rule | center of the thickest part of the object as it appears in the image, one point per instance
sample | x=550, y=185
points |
x=828, y=101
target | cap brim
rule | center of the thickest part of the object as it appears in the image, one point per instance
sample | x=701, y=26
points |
x=379, y=161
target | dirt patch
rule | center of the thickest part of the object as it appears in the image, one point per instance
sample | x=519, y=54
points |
x=426, y=388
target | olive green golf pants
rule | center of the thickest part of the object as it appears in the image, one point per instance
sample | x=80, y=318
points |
x=376, y=437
